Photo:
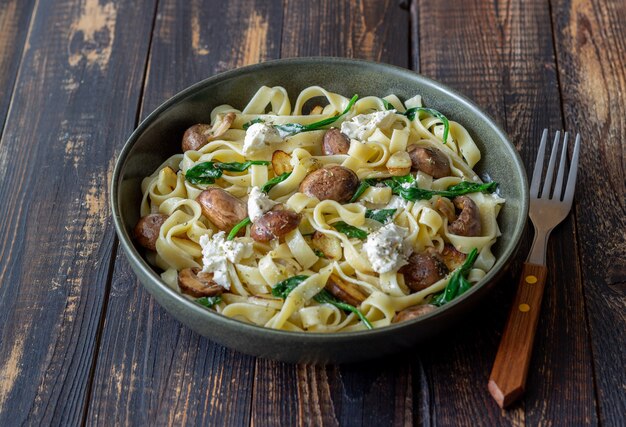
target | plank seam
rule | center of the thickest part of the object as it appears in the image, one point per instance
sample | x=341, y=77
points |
x=16, y=77
x=575, y=221
x=112, y=260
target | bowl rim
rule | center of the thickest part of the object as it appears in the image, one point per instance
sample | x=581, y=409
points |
x=136, y=259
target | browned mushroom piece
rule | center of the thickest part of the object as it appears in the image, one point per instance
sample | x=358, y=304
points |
x=413, y=312
x=199, y=135
x=274, y=224
x=335, y=142
x=222, y=208
x=332, y=183
x=429, y=160
x=446, y=208
x=345, y=291
x=147, y=230
x=196, y=283
x=468, y=221
x=451, y=257
x=423, y=269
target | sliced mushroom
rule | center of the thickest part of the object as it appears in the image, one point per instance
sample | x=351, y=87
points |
x=329, y=245
x=335, y=142
x=423, y=270
x=345, y=291
x=222, y=208
x=281, y=162
x=451, y=257
x=468, y=221
x=332, y=183
x=147, y=230
x=446, y=208
x=274, y=225
x=199, y=135
x=429, y=160
x=195, y=282
x=413, y=312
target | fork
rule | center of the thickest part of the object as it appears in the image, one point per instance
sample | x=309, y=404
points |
x=510, y=368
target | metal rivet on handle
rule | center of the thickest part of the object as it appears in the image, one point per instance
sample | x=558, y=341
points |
x=531, y=279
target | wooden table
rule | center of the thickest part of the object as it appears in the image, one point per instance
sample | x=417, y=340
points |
x=82, y=342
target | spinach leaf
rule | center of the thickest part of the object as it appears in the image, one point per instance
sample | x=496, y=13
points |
x=363, y=185
x=319, y=253
x=458, y=283
x=276, y=180
x=411, y=113
x=251, y=122
x=350, y=230
x=380, y=215
x=209, y=302
x=293, y=128
x=324, y=297
x=237, y=227
x=284, y=288
x=387, y=105
x=413, y=193
x=208, y=172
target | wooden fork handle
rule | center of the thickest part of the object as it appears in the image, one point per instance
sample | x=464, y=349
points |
x=508, y=376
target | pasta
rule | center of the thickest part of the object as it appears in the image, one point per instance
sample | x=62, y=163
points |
x=355, y=214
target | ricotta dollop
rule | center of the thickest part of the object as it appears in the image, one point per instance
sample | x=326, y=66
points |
x=217, y=252
x=258, y=203
x=363, y=125
x=386, y=249
x=260, y=136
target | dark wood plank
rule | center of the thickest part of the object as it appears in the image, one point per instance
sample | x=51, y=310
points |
x=15, y=17
x=501, y=55
x=339, y=395
x=591, y=57
x=151, y=369
x=56, y=155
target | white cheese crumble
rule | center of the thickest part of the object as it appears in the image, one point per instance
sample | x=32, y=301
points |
x=363, y=125
x=397, y=202
x=217, y=252
x=386, y=249
x=260, y=136
x=258, y=203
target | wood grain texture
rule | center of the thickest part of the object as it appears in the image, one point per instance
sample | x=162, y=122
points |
x=338, y=395
x=591, y=53
x=501, y=55
x=56, y=155
x=15, y=16
x=152, y=370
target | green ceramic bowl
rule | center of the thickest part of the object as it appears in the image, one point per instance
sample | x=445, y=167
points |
x=159, y=135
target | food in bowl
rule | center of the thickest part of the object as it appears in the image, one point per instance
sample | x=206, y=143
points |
x=338, y=214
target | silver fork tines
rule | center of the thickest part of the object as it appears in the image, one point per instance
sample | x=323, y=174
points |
x=547, y=212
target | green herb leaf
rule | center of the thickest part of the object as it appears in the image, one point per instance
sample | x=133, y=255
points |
x=251, y=122
x=284, y=288
x=458, y=283
x=294, y=128
x=237, y=227
x=209, y=302
x=239, y=167
x=412, y=112
x=387, y=105
x=380, y=215
x=324, y=297
x=276, y=180
x=350, y=230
